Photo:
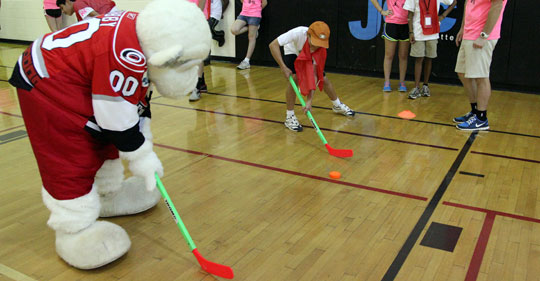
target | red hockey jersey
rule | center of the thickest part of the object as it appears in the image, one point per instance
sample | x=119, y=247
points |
x=94, y=69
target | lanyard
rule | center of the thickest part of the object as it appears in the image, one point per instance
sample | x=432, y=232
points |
x=427, y=5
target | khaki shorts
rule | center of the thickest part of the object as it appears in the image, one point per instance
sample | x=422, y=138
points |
x=475, y=63
x=426, y=49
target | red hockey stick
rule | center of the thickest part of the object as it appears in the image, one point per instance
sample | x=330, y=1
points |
x=333, y=151
x=208, y=266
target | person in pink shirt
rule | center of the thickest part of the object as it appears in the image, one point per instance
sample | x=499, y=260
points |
x=479, y=33
x=86, y=8
x=53, y=15
x=396, y=31
x=249, y=20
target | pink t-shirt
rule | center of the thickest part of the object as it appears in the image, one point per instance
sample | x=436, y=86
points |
x=252, y=8
x=206, y=12
x=400, y=15
x=50, y=5
x=476, y=15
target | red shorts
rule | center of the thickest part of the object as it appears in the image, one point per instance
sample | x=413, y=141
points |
x=67, y=156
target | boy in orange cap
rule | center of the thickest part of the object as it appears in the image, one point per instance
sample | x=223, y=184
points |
x=305, y=57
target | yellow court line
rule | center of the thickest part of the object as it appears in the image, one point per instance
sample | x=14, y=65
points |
x=14, y=274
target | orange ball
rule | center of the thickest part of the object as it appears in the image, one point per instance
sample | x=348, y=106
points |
x=335, y=174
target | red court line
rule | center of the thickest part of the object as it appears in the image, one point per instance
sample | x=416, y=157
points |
x=480, y=249
x=503, y=214
x=10, y=114
x=12, y=128
x=295, y=173
x=481, y=244
x=507, y=157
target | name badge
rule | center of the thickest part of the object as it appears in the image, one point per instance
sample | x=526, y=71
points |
x=427, y=21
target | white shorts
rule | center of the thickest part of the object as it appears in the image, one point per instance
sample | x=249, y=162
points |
x=472, y=62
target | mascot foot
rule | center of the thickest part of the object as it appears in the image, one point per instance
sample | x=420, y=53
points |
x=99, y=244
x=132, y=198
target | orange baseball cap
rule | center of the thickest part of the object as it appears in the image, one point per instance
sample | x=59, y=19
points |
x=320, y=33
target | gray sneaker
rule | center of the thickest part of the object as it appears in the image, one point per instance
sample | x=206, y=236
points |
x=244, y=65
x=425, y=91
x=415, y=93
x=195, y=95
x=292, y=123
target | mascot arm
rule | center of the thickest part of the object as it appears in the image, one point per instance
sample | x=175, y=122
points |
x=143, y=162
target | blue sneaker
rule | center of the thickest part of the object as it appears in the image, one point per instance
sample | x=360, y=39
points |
x=473, y=124
x=463, y=118
x=402, y=87
x=386, y=87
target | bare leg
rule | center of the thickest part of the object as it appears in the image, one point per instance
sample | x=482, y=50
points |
x=389, y=51
x=427, y=69
x=290, y=96
x=329, y=89
x=483, y=93
x=201, y=69
x=252, y=36
x=51, y=22
x=239, y=27
x=403, y=53
x=418, y=71
x=470, y=87
x=59, y=24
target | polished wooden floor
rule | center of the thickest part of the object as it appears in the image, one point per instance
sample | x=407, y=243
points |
x=257, y=196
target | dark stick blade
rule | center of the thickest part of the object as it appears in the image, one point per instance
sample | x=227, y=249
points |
x=343, y=153
x=212, y=267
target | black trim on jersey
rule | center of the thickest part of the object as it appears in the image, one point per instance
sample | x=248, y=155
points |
x=17, y=79
x=126, y=141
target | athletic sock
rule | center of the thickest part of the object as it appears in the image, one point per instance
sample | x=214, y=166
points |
x=246, y=60
x=336, y=102
x=290, y=113
x=473, y=108
x=481, y=115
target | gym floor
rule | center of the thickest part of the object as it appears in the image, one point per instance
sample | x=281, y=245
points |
x=419, y=200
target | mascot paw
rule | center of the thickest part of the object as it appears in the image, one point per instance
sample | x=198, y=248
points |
x=99, y=244
x=131, y=199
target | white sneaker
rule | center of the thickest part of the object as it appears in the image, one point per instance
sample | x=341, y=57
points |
x=425, y=91
x=415, y=93
x=244, y=65
x=292, y=123
x=195, y=95
x=343, y=109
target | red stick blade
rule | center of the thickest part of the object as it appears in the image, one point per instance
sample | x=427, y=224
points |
x=343, y=153
x=212, y=267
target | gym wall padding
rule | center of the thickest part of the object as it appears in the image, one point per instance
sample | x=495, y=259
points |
x=356, y=45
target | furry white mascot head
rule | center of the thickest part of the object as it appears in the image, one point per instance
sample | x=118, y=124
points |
x=175, y=38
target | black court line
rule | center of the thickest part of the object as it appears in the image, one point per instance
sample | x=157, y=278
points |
x=405, y=250
x=471, y=174
x=13, y=136
x=307, y=126
x=6, y=66
x=373, y=114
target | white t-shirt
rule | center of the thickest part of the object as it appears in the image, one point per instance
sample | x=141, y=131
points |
x=293, y=40
x=414, y=6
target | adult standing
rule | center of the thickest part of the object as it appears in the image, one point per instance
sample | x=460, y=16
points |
x=53, y=15
x=396, y=32
x=479, y=33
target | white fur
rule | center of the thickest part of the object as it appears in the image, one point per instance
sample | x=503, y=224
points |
x=175, y=37
x=99, y=244
x=144, y=128
x=133, y=198
x=72, y=215
x=109, y=177
x=144, y=162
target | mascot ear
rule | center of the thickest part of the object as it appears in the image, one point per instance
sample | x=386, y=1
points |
x=166, y=57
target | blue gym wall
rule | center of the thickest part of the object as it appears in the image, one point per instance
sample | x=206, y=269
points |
x=356, y=45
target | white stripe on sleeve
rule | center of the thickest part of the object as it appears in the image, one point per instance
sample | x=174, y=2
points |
x=114, y=113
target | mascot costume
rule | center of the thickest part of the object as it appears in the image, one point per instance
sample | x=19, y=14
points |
x=83, y=92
